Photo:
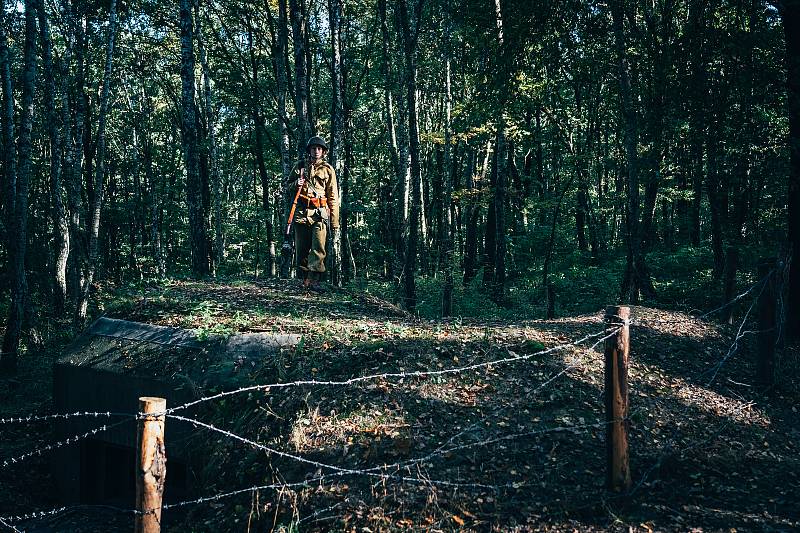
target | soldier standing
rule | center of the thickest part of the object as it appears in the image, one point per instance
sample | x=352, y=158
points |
x=317, y=211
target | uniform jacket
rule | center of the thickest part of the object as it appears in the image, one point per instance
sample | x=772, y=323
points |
x=320, y=183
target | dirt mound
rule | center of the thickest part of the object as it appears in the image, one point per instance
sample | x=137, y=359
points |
x=478, y=424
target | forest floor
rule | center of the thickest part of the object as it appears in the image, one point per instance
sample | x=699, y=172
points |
x=515, y=445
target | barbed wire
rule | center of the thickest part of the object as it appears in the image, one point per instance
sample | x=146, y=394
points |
x=320, y=465
x=380, y=471
x=340, y=472
x=401, y=375
x=739, y=336
x=390, y=375
x=9, y=525
x=313, y=516
x=337, y=471
x=738, y=297
x=55, y=416
x=223, y=495
x=442, y=450
x=34, y=515
x=669, y=447
x=59, y=444
x=533, y=392
x=403, y=464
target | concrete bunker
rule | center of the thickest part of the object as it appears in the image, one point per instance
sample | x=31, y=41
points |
x=107, y=368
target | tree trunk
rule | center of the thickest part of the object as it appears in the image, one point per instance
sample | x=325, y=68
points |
x=19, y=285
x=94, y=229
x=541, y=179
x=213, y=157
x=280, y=40
x=471, y=211
x=713, y=186
x=154, y=183
x=490, y=232
x=279, y=58
x=659, y=35
x=500, y=197
x=396, y=215
x=191, y=156
x=698, y=102
x=498, y=279
x=791, y=28
x=636, y=279
x=258, y=146
x=409, y=38
x=337, y=112
x=59, y=216
x=299, y=30
x=446, y=259
x=9, y=182
x=581, y=211
x=552, y=239
x=73, y=179
x=347, y=259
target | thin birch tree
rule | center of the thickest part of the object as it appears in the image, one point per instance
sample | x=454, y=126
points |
x=99, y=172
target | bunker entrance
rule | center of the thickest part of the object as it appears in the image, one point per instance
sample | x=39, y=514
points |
x=107, y=369
x=107, y=475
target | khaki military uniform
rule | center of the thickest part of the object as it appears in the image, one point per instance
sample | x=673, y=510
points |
x=317, y=207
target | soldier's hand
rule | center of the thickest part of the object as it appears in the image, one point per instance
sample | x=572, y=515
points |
x=300, y=181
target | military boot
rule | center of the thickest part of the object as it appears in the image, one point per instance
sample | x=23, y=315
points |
x=315, y=285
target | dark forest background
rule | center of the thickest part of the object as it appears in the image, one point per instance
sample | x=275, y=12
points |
x=489, y=152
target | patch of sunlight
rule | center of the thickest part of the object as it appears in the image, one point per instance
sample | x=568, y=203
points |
x=712, y=402
x=314, y=431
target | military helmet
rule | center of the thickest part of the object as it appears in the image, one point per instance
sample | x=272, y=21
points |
x=316, y=141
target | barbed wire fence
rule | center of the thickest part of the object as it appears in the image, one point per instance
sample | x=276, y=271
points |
x=400, y=471
x=333, y=471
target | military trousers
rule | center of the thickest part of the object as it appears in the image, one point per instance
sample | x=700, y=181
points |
x=309, y=241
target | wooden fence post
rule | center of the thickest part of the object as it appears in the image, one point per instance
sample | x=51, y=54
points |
x=767, y=325
x=616, y=398
x=151, y=464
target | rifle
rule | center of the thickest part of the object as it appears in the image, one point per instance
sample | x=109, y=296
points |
x=294, y=205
